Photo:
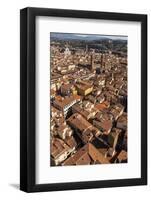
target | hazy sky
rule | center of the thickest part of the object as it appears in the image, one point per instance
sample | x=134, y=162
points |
x=94, y=36
x=102, y=36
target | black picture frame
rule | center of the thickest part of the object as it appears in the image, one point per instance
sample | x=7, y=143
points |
x=28, y=98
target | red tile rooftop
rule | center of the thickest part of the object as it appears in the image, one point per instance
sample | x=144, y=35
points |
x=86, y=155
x=102, y=106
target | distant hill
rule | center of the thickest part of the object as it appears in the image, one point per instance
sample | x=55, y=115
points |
x=98, y=42
x=83, y=37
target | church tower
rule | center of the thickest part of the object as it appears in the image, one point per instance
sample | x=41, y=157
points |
x=92, y=66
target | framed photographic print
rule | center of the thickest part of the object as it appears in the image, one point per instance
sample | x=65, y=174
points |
x=83, y=99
